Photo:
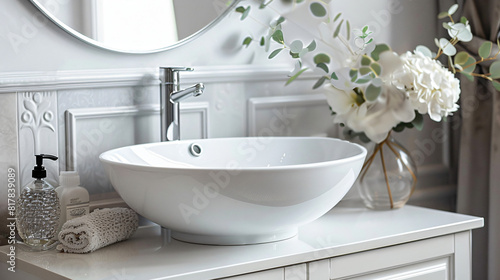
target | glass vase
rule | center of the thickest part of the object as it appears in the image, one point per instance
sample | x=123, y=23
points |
x=388, y=177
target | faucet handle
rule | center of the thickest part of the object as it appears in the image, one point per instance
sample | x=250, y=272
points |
x=177, y=69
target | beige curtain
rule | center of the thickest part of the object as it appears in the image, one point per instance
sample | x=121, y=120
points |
x=479, y=144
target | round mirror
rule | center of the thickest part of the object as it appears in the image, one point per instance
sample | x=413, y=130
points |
x=135, y=26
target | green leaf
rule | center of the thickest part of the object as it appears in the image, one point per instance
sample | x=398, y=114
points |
x=365, y=29
x=323, y=66
x=244, y=11
x=376, y=68
x=278, y=36
x=485, y=49
x=348, y=30
x=418, y=121
x=495, y=70
x=442, y=15
x=470, y=61
x=334, y=76
x=275, y=53
x=365, y=60
x=262, y=41
x=317, y=9
x=296, y=46
x=461, y=58
x=247, y=41
x=320, y=82
x=280, y=20
x=292, y=78
x=446, y=25
x=321, y=58
x=312, y=46
x=380, y=48
x=372, y=92
x=496, y=85
x=364, y=70
x=337, y=17
x=464, y=20
x=453, y=9
x=337, y=30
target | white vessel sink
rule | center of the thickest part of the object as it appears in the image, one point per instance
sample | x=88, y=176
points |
x=231, y=191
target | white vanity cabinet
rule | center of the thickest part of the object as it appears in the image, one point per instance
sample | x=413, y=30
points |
x=346, y=243
x=439, y=258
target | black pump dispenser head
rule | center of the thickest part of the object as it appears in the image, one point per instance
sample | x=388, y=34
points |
x=39, y=171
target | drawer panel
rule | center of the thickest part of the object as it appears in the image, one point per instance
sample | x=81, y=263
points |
x=344, y=267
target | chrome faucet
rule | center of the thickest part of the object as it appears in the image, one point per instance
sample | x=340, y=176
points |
x=170, y=96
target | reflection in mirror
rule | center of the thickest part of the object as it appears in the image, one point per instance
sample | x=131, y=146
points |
x=136, y=26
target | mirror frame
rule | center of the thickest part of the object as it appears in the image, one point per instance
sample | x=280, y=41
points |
x=98, y=44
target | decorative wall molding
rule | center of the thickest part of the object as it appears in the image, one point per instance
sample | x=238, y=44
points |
x=37, y=128
x=278, y=115
x=102, y=78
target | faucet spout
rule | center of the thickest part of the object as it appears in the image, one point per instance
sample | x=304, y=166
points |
x=170, y=96
x=194, y=91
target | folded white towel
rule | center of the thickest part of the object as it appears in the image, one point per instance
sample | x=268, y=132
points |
x=98, y=229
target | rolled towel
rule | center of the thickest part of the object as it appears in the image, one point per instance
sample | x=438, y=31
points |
x=98, y=229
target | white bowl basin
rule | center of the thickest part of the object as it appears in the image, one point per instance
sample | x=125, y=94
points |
x=237, y=190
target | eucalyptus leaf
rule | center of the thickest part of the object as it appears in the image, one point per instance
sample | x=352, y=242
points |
x=470, y=65
x=275, y=53
x=365, y=60
x=278, y=36
x=337, y=17
x=296, y=46
x=377, y=82
x=320, y=82
x=495, y=70
x=464, y=20
x=447, y=47
x=280, y=20
x=337, y=30
x=292, y=78
x=323, y=66
x=442, y=15
x=245, y=14
x=321, y=58
x=453, y=9
x=377, y=69
x=380, y=48
x=312, y=46
x=461, y=58
x=424, y=50
x=364, y=70
x=446, y=25
x=485, y=49
x=372, y=92
x=247, y=41
x=334, y=76
x=317, y=9
x=262, y=41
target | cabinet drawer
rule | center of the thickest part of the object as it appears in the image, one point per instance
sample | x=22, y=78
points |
x=403, y=256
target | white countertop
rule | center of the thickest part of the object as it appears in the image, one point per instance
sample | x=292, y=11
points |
x=342, y=231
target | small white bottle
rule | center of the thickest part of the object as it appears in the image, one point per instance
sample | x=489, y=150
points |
x=74, y=200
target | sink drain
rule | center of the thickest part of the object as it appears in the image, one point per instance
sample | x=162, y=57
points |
x=195, y=149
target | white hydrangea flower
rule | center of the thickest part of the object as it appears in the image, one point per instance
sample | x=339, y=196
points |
x=432, y=89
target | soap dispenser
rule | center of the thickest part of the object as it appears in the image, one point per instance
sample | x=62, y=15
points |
x=74, y=199
x=38, y=210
